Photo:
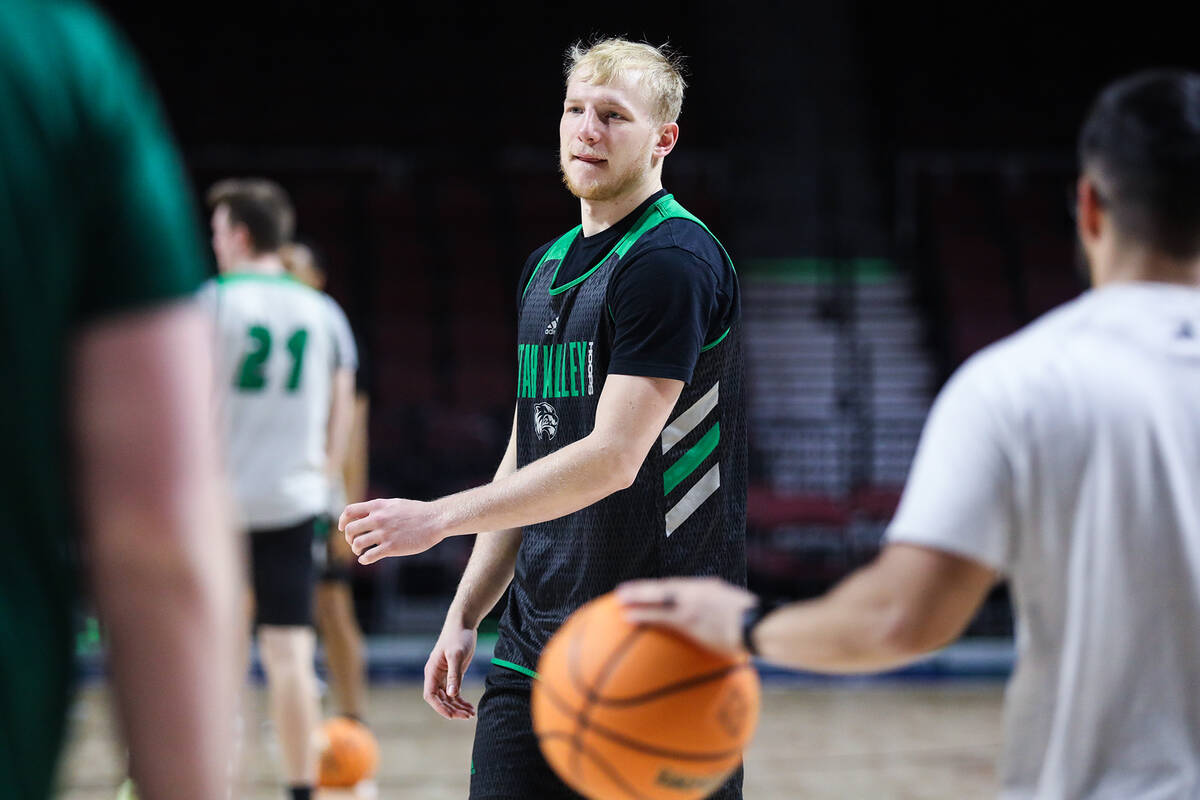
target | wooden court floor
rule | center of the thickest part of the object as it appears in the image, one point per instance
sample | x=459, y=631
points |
x=877, y=741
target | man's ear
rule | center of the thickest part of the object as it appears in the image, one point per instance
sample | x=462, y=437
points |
x=1090, y=210
x=668, y=136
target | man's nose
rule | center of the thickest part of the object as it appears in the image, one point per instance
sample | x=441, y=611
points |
x=589, y=126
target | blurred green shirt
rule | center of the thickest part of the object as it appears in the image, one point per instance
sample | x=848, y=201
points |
x=96, y=219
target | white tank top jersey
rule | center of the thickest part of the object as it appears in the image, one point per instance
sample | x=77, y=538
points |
x=1067, y=457
x=279, y=344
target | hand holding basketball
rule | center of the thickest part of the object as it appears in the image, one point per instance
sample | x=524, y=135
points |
x=708, y=610
x=624, y=710
x=377, y=529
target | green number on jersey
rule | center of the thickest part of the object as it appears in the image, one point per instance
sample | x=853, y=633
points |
x=295, y=346
x=252, y=377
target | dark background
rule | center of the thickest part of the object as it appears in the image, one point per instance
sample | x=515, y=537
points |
x=419, y=144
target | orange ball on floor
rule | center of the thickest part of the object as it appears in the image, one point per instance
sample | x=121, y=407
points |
x=350, y=754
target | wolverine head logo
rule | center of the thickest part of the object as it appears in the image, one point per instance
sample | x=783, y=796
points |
x=545, y=421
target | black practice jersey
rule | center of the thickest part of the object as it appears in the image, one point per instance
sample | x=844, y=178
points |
x=685, y=513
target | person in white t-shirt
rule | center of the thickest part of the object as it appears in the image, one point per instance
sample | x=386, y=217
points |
x=286, y=364
x=1065, y=458
x=334, y=601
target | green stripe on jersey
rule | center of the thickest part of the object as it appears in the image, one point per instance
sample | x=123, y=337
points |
x=693, y=458
x=499, y=662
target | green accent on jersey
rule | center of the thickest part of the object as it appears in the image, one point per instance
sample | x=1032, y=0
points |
x=713, y=344
x=531, y=369
x=96, y=220
x=650, y=217
x=295, y=346
x=573, y=348
x=548, y=373
x=558, y=250
x=564, y=370
x=87, y=640
x=251, y=375
x=238, y=277
x=472, y=766
x=499, y=662
x=661, y=210
x=688, y=462
x=560, y=377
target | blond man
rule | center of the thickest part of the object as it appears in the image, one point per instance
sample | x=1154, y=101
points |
x=627, y=454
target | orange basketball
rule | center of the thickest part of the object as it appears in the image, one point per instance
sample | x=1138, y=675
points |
x=628, y=711
x=350, y=754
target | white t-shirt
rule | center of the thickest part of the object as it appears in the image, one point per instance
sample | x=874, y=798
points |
x=279, y=344
x=1067, y=457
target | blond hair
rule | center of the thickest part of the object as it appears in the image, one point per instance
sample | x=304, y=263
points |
x=660, y=70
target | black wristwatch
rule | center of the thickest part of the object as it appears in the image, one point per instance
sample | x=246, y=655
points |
x=750, y=618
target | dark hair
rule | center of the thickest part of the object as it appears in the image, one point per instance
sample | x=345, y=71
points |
x=1141, y=143
x=261, y=205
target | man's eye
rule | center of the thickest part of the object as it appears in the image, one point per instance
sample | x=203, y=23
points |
x=615, y=115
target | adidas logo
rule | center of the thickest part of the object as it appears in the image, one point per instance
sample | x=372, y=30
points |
x=552, y=327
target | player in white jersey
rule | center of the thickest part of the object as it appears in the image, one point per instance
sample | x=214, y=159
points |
x=1065, y=458
x=334, y=601
x=287, y=362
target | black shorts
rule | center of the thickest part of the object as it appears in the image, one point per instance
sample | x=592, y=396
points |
x=332, y=565
x=506, y=762
x=281, y=566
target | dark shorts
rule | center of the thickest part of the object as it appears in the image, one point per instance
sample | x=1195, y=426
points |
x=506, y=763
x=333, y=562
x=281, y=566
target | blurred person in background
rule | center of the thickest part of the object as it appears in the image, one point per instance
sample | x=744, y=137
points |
x=286, y=363
x=1065, y=458
x=334, y=609
x=111, y=476
x=627, y=456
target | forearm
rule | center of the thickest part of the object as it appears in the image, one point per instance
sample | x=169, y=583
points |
x=629, y=419
x=551, y=487
x=341, y=421
x=172, y=661
x=490, y=569
x=859, y=626
x=357, y=460
x=486, y=578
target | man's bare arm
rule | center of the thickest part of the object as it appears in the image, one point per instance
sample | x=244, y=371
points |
x=357, y=454
x=907, y=602
x=493, y=559
x=484, y=581
x=159, y=544
x=341, y=422
x=630, y=416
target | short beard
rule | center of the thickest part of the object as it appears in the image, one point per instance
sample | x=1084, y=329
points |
x=618, y=186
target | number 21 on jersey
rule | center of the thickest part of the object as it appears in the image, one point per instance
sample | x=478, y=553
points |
x=251, y=375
